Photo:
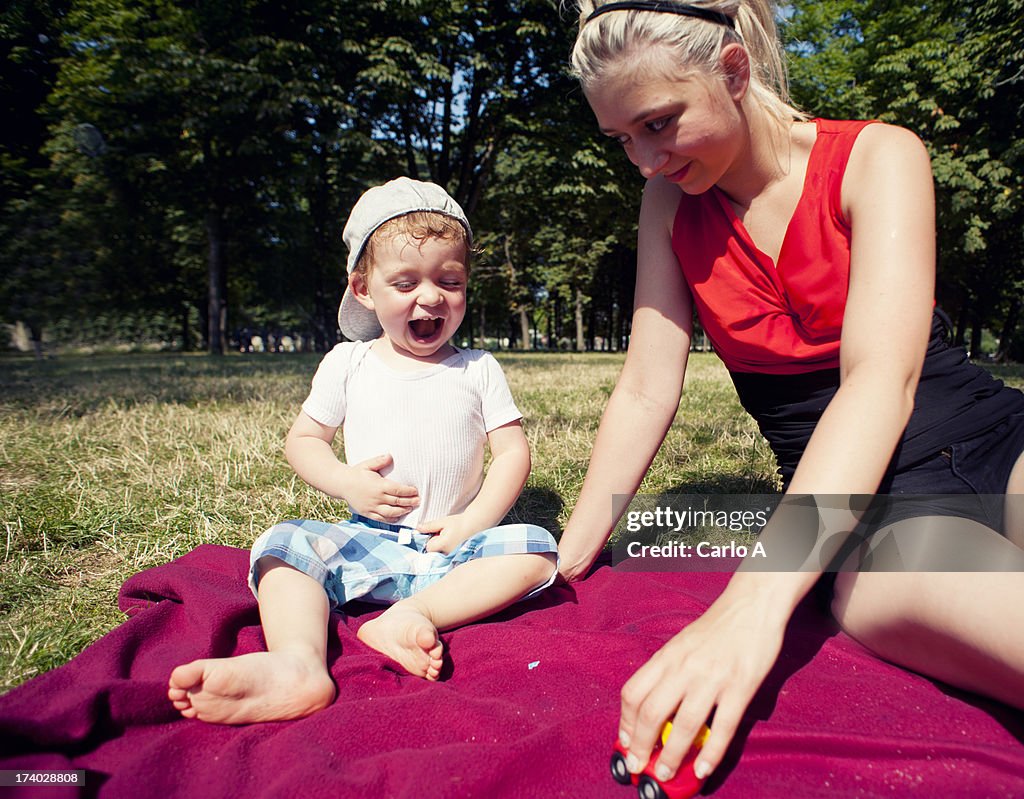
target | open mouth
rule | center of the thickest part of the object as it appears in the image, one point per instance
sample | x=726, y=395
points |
x=426, y=329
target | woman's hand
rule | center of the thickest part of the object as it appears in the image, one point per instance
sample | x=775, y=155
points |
x=573, y=565
x=715, y=664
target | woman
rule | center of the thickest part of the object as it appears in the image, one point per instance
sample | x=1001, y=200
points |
x=807, y=248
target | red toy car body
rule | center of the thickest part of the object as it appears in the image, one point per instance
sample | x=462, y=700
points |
x=682, y=786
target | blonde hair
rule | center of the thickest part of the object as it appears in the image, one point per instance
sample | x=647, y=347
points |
x=696, y=42
x=418, y=226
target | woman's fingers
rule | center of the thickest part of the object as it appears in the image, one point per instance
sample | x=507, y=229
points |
x=686, y=725
x=664, y=687
x=727, y=720
x=636, y=722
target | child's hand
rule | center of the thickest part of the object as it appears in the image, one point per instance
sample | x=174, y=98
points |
x=447, y=533
x=376, y=497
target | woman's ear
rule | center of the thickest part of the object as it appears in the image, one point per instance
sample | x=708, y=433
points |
x=735, y=63
x=358, y=284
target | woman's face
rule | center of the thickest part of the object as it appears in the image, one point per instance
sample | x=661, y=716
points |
x=685, y=128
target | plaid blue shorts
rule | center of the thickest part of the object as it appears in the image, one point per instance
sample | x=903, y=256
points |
x=378, y=562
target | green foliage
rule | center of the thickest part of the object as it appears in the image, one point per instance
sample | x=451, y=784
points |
x=952, y=73
x=195, y=162
x=203, y=156
x=569, y=237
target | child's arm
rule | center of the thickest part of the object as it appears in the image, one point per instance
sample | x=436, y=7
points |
x=308, y=449
x=510, y=466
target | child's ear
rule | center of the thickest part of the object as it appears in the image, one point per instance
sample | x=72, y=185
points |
x=735, y=62
x=360, y=289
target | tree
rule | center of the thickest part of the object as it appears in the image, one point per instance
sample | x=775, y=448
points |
x=473, y=97
x=561, y=214
x=240, y=133
x=196, y=104
x=29, y=46
x=952, y=73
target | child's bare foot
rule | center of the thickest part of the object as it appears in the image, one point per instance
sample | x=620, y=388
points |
x=261, y=686
x=407, y=636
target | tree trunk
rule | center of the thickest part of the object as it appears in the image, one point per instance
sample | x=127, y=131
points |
x=524, y=319
x=960, y=334
x=467, y=327
x=186, y=329
x=558, y=322
x=35, y=334
x=524, y=329
x=552, y=334
x=580, y=345
x=613, y=313
x=217, y=306
x=326, y=292
x=976, y=330
x=1009, y=328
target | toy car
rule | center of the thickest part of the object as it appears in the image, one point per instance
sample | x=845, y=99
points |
x=682, y=786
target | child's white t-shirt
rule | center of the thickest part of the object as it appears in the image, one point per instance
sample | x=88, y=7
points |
x=433, y=421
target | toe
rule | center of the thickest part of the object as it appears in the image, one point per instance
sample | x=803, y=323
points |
x=186, y=676
x=426, y=639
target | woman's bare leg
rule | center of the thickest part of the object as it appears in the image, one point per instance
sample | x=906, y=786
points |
x=962, y=628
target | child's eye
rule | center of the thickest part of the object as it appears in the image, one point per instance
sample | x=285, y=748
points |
x=404, y=285
x=656, y=125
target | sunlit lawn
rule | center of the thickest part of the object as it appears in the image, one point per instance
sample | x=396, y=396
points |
x=114, y=464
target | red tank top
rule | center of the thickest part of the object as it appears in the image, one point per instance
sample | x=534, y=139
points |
x=783, y=318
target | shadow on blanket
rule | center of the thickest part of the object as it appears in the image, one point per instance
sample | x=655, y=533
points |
x=527, y=708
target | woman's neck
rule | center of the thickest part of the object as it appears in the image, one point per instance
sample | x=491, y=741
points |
x=763, y=160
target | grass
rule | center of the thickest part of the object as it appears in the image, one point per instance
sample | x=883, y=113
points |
x=111, y=464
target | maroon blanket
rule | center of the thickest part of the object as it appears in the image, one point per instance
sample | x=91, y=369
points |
x=526, y=707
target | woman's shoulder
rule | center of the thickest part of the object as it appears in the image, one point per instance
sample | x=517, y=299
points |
x=864, y=135
x=889, y=163
x=881, y=136
x=881, y=148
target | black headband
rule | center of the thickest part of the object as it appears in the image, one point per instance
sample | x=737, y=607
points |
x=668, y=8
